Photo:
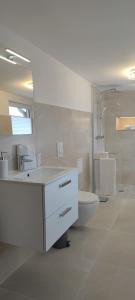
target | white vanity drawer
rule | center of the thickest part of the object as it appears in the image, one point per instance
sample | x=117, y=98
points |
x=60, y=191
x=60, y=221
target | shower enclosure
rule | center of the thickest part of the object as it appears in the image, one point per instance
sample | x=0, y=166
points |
x=114, y=132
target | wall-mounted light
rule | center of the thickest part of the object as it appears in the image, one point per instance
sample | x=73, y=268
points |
x=7, y=60
x=131, y=74
x=17, y=55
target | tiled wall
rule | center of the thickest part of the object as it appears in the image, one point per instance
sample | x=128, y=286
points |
x=52, y=124
x=121, y=143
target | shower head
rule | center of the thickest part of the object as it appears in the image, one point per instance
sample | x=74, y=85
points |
x=111, y=91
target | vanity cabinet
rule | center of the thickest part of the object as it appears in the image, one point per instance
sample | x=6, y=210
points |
x=36, y=215
x=61, y=207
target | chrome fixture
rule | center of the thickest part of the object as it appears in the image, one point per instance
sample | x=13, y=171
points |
x=21, y=160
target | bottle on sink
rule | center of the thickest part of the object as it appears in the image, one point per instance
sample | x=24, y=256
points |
x=3, y=165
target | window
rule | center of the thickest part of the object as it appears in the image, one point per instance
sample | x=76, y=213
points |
x=21, y=120
x=125, y=123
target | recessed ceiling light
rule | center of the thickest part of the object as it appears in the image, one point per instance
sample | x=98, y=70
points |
x=131, y=74
x=29, y=85
x=17, y=55
x=8, y=60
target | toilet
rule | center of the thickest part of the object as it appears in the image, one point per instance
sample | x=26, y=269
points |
x=88, y=203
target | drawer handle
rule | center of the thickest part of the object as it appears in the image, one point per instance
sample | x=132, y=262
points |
x=65, y=212
x=64, y=183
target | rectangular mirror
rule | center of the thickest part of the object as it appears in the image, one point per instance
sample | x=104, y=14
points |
x=16, y=93
x=125, y=123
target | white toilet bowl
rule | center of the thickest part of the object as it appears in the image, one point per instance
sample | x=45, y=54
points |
x=88, y=203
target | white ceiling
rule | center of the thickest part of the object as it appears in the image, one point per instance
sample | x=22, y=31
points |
x=93, y=37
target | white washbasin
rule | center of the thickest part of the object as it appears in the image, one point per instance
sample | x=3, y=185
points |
x=38, y=175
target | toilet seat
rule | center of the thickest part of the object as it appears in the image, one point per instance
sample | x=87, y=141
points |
x=86, y=198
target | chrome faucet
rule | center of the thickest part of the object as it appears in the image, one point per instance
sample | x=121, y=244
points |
x=21, y=160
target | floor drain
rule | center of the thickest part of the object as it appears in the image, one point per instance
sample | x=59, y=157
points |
x=121, y=191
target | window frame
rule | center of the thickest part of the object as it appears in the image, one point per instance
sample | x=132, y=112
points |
x=30, y=113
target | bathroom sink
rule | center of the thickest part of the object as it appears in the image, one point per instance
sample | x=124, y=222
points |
x=39, y=175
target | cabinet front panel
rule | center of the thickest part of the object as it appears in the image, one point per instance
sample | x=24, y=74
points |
x=60, y=221
x=60, y=192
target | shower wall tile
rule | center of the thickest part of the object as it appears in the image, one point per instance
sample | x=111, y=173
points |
x=121, y=144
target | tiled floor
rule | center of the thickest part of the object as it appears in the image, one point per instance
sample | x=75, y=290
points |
x=99, y=265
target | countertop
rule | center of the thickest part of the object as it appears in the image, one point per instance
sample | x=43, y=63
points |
x=38, y=176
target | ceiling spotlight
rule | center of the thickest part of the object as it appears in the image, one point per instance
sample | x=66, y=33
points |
x=17, y=55
x=29, y=85
x=131, y=74
x=7, y=60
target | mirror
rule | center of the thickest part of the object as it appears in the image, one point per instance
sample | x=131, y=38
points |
x=16, y=93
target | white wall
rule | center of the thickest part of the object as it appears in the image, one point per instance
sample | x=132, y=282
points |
x=57, y=85
x=54, y=83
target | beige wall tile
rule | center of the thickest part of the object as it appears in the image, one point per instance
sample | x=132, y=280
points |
x=52, y=124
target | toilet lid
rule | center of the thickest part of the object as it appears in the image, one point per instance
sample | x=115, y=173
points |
x=87, y=198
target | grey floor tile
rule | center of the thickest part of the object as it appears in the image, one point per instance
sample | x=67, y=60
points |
x=108, y=282
x=64, y=259
x=11, y=258
x=126, y=221
x=8, y=295
x=99, y=283
x=105, y=217
x=87, y=241
x=54, y=280
x=124, y=285
x=119, y=250
x=129, y=205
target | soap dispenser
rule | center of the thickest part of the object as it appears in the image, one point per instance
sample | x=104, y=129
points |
x=3, y=166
